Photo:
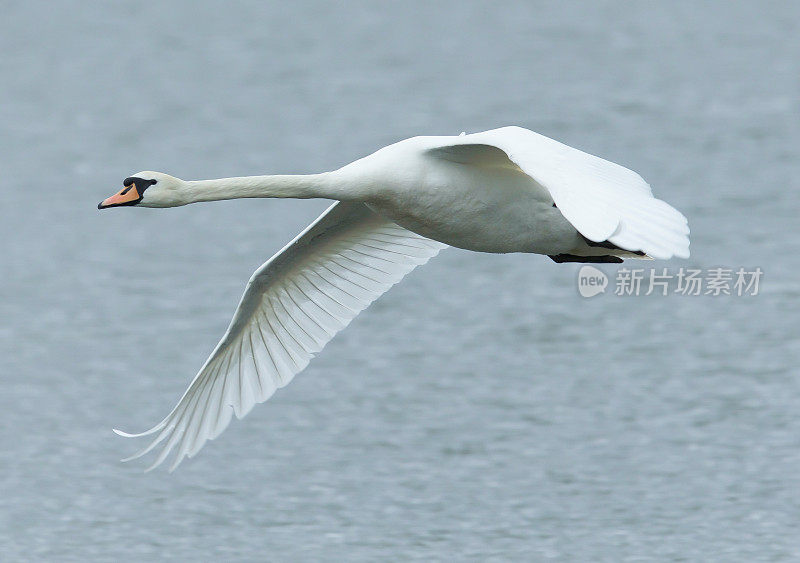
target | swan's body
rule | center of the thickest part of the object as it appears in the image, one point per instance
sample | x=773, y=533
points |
x=505, y=190
x=485, y=206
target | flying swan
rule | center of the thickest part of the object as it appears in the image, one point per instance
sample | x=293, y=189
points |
x=504, y=190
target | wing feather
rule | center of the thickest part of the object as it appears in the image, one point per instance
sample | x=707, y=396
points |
x=293, y=305
x=603, y=200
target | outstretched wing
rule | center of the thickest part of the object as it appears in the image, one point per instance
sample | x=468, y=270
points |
x=293, y=305
x=603, y=201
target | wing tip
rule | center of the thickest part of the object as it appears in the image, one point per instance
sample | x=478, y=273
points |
x=153, y=430
x=124, y=434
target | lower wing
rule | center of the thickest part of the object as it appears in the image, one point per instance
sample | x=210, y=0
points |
x=293, y=305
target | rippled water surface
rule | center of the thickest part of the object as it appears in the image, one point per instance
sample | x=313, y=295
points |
x=481, y=410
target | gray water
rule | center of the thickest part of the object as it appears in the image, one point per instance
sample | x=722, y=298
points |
x=482, y=409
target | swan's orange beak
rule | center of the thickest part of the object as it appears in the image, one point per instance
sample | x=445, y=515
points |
x=127, y=196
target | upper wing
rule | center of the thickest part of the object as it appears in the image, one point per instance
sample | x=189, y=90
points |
x=293, y=305
x=602, y=200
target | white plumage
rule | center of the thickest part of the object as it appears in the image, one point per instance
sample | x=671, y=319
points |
x=293, y=305
x=505, y=190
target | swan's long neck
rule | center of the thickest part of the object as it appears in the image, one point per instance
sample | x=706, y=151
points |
x=295, y=186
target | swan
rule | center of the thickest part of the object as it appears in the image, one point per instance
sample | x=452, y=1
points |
x=503, y=190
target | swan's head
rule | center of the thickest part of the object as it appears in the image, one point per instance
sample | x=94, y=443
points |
x=148, y=189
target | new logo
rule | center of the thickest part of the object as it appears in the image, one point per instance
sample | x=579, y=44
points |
x=591, y=281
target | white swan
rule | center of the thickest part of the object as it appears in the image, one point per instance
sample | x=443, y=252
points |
x=504, y=190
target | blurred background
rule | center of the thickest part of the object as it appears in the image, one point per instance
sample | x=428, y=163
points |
x=482, y=409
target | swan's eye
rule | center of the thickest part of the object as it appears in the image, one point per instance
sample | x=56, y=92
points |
x=153, y=182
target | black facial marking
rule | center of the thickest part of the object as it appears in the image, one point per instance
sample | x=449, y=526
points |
x=141, y=185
